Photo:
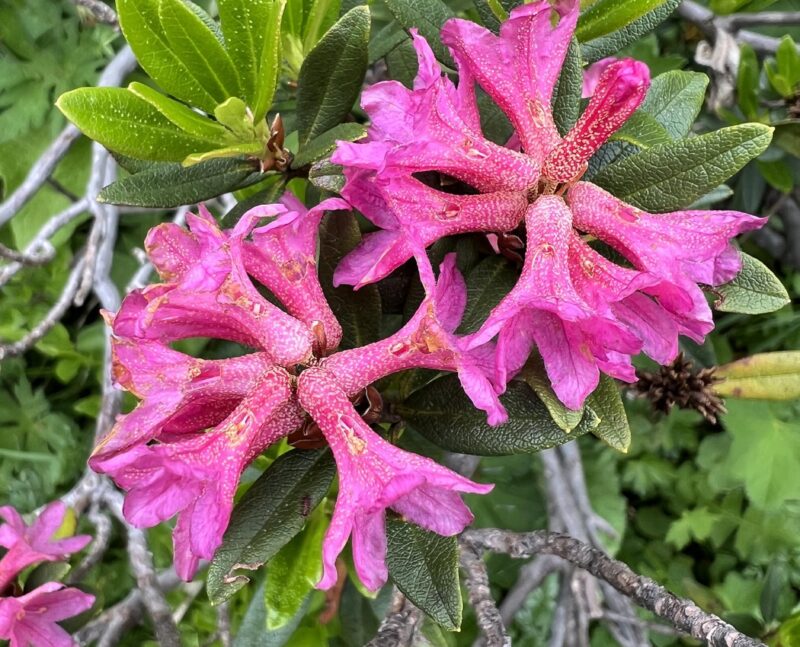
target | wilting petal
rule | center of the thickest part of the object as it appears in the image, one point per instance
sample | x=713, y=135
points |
x=619, y=91
x=519, y=68
x=283, y=256
x=373, y=476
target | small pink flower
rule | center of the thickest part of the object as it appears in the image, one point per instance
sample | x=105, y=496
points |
x=32, y=544
x=30, y=620
x=195, y=475
x=374, y=476
x=592, y=75
x=426, y=341
x=283, y=257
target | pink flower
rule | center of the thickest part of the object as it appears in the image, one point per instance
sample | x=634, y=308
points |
x=195, y=475
x=32, y=544
x=426, y=341
x=374, y=476
x=30, y=620
x=208, y=295
x=592, y=74
x=283, y=257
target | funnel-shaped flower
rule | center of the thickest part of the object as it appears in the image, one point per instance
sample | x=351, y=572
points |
x=30, y=620
x=195, y=476
x=283, y=256
x=374, y=476
x=426, y=341
x=29, y=545
x=209, y=295
x=180, y=394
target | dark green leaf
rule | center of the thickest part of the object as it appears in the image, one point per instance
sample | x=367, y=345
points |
x=269, y=194
x=331, y=76
x=199, y=49
x=787, y=137
x=360, y=616
x=142, y=28
x=320, y=17
x=444, y=415
x=271, y=512
x=642, y=130
x=424, y=566
x=674, y=100
x=673, y=175
x=747, y=80
x=754, y=291
x=253, y=632
x=327, y=176
x=173, y=185
x=358, y=312
x=606, y=16
x=778, y=174
x=323, y=144
x=402, y=64
x=252, y=31
x=774, y=586
x=487, y=284
x=606, y=402
x=427, y=16
x=123, y=122
x=598, y=48
x=567, y=96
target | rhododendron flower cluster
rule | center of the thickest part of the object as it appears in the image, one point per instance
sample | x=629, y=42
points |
x=584, y=313
x=30, y=618
x=201, y=422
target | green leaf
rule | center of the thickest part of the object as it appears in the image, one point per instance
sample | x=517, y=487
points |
x=182, y=116
x=358, y=312
x=613, y=428
x=253, y=633
x=755, y=290
x=294, y=571
x=332, y=74
x=535, y=376
x=444, y=415
x=675, y=99
x=747, y=81
x=270, y=514
x=141, y=25
x=424, y=566
x=598, y=48
x=199, y=48
x=765, y=376
x=487, y=284
x=427, y=16
x=252, y=30
x=670, y=176
x=320, y=17
x=787, y=137
x=327, y=176
x=173, y=185
x=778, y=174
x=642, y=130
x=567, y=95
x=606, y=16
x=323, y=144
x=125, y=123
x=232, y=113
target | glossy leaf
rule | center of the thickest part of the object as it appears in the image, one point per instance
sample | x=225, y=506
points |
x=766, y=376
x=755, y=290
x=331, y=75
x=358, y=311
x=670, y=176
x=674, y=100
x=173, y=185
x=427, y=16
x=252, y=30
x=125, y=123
x=444, y=415
x=613, y=428
x=606, y=16
x=424, y=566
x=270, y=514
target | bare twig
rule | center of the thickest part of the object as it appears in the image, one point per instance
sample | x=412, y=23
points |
x=480, y=598
x=102, y=535
x=682, y=614
x=762, y=18
x=399, y=625
x=224, y=625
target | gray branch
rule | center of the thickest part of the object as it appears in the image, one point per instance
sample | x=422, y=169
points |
x=480, y=598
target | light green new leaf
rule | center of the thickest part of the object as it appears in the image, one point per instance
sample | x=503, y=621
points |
x=252, y=30
x=766, y=376
x=606, y=16
x=319, y=19
x=427, y=16
x=674, y=100
x=424, y=566
x=670, y=176
x=125, y=123
x=755, y=290
x=606, y=403
x=294, y=571
x=141, y=25
x=199, y=49
x=747, y=82
x=232, y=114
x=332, y=73
x=182, y=116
